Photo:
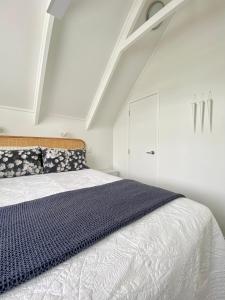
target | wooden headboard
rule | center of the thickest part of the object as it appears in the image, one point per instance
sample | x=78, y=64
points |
x=25, y=141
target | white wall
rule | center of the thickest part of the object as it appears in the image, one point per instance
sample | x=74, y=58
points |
x=99, y=141
x=190, y=59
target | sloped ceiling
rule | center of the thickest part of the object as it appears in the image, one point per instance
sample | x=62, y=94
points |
x=80, y=48
x=127, y=71
x=125, y=76
x=21, y=24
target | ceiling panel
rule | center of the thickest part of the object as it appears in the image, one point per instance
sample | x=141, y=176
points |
x=129, y=68
x=20, y=31
x=81, y=45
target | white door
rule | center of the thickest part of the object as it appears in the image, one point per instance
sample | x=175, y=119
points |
x=143, y=139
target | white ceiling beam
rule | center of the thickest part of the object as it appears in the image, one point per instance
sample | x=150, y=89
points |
x=164, y=13
x=43, y=57
x=124, y=42
x=129, y=23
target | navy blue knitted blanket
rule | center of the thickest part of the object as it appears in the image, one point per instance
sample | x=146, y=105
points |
x=39, y=234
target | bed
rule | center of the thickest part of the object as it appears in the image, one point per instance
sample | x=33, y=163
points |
x=175, y=252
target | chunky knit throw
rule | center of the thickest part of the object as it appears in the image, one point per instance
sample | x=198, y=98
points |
x=39, y=234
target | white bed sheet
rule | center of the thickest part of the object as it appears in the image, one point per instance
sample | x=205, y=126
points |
x=175, y=253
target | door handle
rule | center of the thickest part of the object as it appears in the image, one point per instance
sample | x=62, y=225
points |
x=150, y=152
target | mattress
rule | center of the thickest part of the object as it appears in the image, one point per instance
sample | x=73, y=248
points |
x=176, y=252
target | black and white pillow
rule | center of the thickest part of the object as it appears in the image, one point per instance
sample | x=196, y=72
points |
x=20, y=162
x=62, y=160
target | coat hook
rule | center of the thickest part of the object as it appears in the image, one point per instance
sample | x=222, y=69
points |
x=210, y=110
x=202, y=114
x=194, y=115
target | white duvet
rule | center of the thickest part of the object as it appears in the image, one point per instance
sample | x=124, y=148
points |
x=175, y=253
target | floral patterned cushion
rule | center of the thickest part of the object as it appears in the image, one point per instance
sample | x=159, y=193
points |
x=61, y=160
x=21, y=162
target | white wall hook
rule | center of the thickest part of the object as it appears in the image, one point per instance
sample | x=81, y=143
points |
x=202, y=114
x=194, y=115
x=210, y=110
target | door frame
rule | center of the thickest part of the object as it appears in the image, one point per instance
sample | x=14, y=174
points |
x=157, y=131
